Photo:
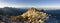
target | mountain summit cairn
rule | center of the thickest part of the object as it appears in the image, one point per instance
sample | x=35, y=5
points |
x=32, y=16
x=32, y=9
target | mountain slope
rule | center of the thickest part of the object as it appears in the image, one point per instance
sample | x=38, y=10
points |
x=32, y=16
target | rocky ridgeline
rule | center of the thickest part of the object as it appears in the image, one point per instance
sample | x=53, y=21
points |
x=31, y=16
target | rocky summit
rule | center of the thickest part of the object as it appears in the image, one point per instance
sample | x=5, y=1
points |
x=31, y=16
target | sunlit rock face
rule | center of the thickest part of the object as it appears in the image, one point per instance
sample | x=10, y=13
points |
x=32, y=16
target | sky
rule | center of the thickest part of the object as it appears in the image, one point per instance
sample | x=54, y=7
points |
x=30, y=3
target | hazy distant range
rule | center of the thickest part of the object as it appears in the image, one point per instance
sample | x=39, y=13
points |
x=18, y=11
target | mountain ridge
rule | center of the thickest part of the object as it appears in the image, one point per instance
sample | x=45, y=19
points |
x=32, y=15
